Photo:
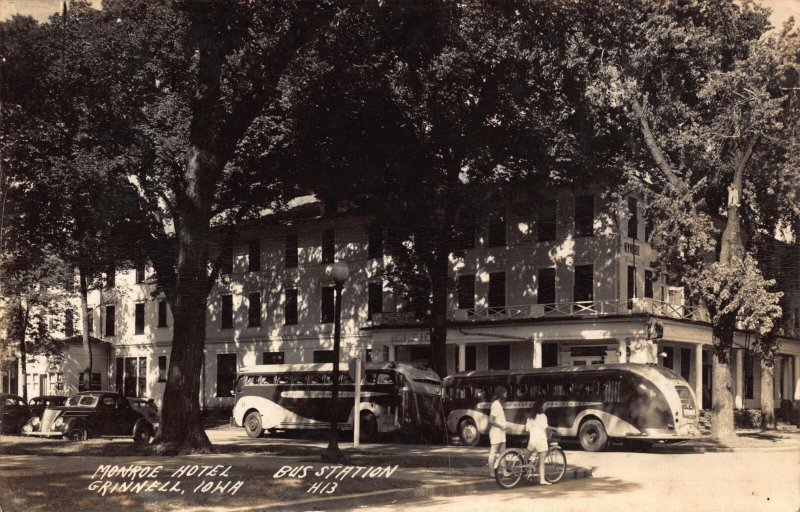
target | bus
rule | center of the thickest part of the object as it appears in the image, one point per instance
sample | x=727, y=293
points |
x=394, y=398
x=595, y=404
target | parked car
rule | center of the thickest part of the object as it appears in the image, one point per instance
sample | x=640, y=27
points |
x=14, y=412
x=92, y=414
x=148, y=408
x=40, y=403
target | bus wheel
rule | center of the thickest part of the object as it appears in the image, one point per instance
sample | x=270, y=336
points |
x=252, y=424
x=369, y=428
x=468, y=432
x=592, y=436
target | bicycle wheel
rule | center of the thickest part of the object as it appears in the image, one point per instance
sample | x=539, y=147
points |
x=509, y=469
x=555, y=465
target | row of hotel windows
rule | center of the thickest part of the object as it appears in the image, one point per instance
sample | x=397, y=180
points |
x=583, y=291
x=376, y=244
x=110, y=319
x=496, y=236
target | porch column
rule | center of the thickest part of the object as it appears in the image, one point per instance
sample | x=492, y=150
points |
x=776, y=380
x=737, y=399
x=392, y=353
x=537, y=353
x=462, y=357
x=797, y=377
x=698, y=374
x=622, y=348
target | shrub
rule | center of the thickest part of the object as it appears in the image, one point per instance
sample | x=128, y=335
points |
x=747, y=418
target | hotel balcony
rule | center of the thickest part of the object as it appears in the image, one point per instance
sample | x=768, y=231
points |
x=557, y=310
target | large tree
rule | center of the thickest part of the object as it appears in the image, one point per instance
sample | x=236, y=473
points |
x=700, y=90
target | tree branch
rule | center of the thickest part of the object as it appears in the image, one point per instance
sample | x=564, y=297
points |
x=652, y=145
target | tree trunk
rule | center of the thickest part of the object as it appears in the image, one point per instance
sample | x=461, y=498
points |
x=438, y=329
x=767, y=396
x=23, y=312
x=722, y=402
x=87, y=348
x=181, y=428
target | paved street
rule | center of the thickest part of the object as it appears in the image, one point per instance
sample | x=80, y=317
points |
x=435, y=478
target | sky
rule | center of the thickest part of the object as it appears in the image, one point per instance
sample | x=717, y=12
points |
x=41, y=9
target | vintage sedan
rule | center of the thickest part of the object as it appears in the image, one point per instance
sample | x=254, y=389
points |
x=14, y=412
x=92, y=414
x=40, y=403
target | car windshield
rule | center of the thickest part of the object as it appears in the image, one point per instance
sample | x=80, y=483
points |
x=82, y=400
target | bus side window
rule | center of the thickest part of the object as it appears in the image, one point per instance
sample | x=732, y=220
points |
x=590, y=389
x=327, y=379
x=385, y=378
x=282, y=379
x=239, y=384
x=315, y=379
x=369, y=377
x=344, y=378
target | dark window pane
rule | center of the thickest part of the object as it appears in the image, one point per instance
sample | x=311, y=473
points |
x=497, y=289
x=142, y=377
x=549, y=355
x=375, y=300
x=584, y=283
x=748, y=375
x=328, y=246
x=631, y=285
x=421, y=354
x=467, y=233
x=470, y=358
x=110, y=320
x=648, y=284
x=324, y=356
x=162, y=313
x=633, y=219
x=272, y=358
x=254, y=310
x=584, y=215
x=69, y=323
x=326, y=306
x=669, y=359
x=226, y=373
x=546, y=227
x=290, y=308
x=227, y=312
x=139, y=273
x=162, y=368
x=111, y=277
x=497, y=231
x=290, y=251
x=139, y=320
x=226, y=265
x=466, y=292
x=546, y=286
x=120, y=374
x=375, y=241
x=686, y=361
x=131, y=367
x=499, y=357
x=254, y=255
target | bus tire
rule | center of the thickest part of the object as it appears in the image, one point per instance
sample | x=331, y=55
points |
x=468, y=432
x=369, y=427
x=252, y=424
x=593, y=436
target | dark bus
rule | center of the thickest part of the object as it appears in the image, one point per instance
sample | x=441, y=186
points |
x=394, y=397
x=624, y=401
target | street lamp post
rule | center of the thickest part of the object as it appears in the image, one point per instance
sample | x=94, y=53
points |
x=339, y=273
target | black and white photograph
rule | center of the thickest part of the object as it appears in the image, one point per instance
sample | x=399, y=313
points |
x=400, y=255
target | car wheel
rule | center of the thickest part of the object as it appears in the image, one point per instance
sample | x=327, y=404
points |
x=143, y=433
x=369, y=427
x=76, y=434
x=252, y=424
x=468, y=432
x=593, y=436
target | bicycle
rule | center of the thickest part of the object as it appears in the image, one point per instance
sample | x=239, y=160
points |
x=513, y=464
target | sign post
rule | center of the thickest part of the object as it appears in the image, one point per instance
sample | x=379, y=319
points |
x=356, y=374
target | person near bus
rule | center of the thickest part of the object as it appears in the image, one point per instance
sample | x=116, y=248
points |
x=537, y=426
x=497, y=426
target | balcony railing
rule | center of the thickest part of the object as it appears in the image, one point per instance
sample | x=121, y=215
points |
x=558, y=309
